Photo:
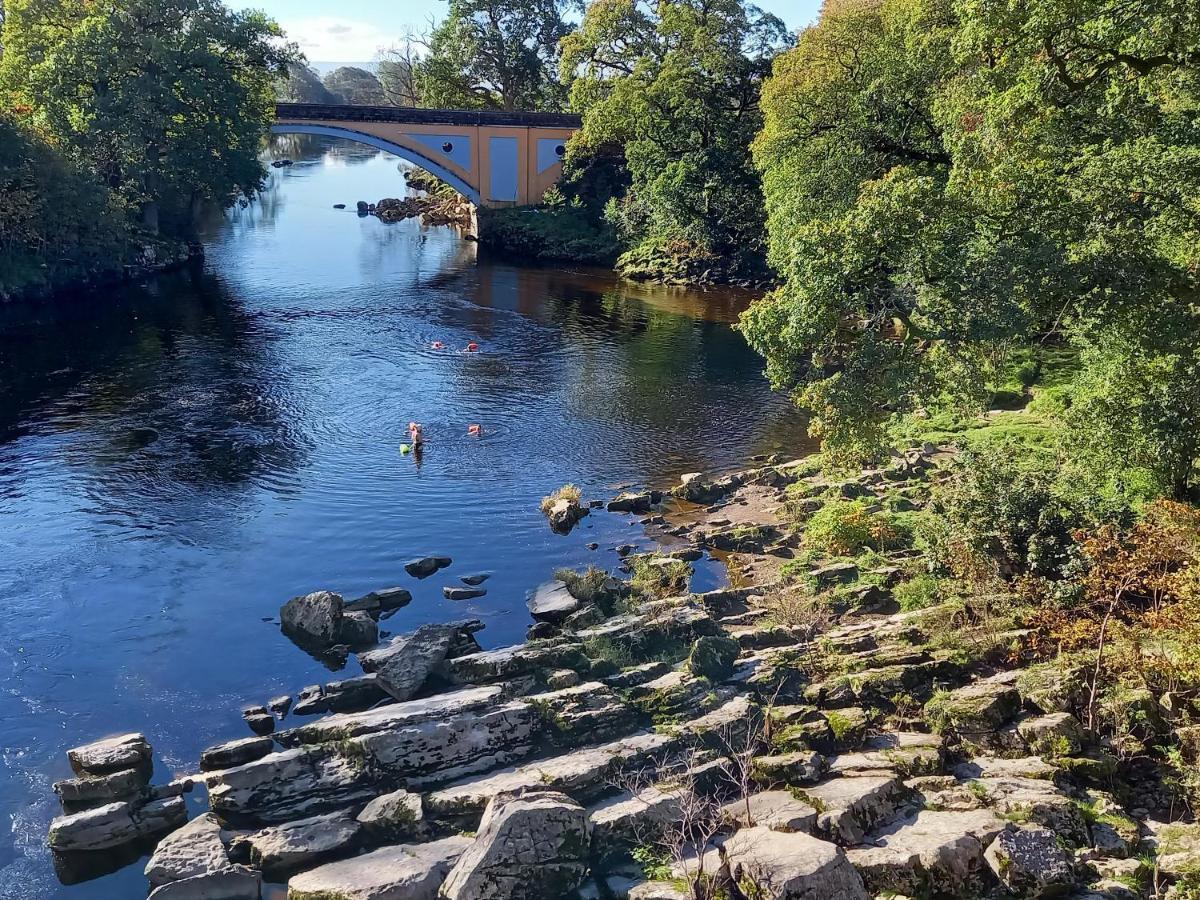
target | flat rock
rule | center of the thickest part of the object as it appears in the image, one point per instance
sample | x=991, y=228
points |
x=80, y=793
x=287, y=848
x=930, y=854
x=116, y=824
x=463, y=593
x=792, y=866
x=1034, y=801
x=633, y=818
x=405, y=872
x=476, y=579
x=993, y=767
x=552, y=602
x=531, y=846
x=195, y=849
x=583, y=774
x=235, y=753
x=1030, y=862
x=382, y=601
x=906, y=754
x=126, y=751
x=850, y=807
x=777, y=810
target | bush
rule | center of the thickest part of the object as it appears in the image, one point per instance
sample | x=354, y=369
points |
x=546, y=234
x=660, y=576
x=846, y=528
x=713, y=657
x=566, y=492
x=919, y=593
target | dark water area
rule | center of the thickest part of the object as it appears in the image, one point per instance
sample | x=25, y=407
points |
x=178, y=459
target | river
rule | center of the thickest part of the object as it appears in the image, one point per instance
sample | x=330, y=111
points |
x=179, y=458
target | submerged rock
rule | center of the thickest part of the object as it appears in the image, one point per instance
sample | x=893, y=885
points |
x=426, y=566
x=463, y=593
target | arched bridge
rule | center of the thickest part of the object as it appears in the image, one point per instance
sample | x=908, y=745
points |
x=492, y=158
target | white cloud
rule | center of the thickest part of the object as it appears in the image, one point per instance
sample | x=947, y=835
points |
x=330, y=39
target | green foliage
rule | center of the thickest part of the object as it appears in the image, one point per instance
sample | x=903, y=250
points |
x=57, y=225
x=303, y=85
x=846, y=527
x=563, y=232
x=675, y=87
x=660, y=576
x=166, y=101
x=918, y=593
x=948, y=181
x=495, y=54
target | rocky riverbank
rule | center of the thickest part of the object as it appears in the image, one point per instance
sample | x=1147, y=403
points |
x=795, y=735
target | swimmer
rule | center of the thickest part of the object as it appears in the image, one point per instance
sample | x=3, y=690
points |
x=472, y=347
x=416, y=434
x=438, y=345
x=475, y=430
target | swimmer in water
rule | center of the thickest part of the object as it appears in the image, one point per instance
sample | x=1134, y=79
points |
x=475, y=430
x=416, y=434
x=472, y=347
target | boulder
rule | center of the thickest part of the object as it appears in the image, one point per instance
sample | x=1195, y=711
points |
x=426, y=566
x=195, y=849
x=791, y=866
x=799, y=767
x=233, y=883
x=976, y=712
x=261, y=722
x=126, y=751
x=565, y=515
x=1034, y=801
x=235, y=753
x=80, y=793
x=280, y=705
x=397, y=816
x=1053, y=734
x=630, y=502
x=357, y=630
x=287, y=848
x=777, y=810
x=405, y=872
x=1030, y=862
x=411, y=661
x=552, y=602
x=712, y=657
x=528, y=847
x=313, y=620
x=930, y=854
x=116, y=824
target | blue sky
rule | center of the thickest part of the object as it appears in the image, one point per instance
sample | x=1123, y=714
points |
x=352, y=30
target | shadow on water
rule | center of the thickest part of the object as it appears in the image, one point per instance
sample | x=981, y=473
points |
x=178, y=459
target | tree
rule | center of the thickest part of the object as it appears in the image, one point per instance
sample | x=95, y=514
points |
x=495, y=54
x=674, y=88
x=397, y=74
x=303, y=85
x=167, y=101
x=948, y=179
x=355, y=86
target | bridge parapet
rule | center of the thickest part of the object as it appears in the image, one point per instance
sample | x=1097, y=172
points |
x=493, y=158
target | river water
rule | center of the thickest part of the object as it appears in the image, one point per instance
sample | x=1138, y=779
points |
x=178, y=459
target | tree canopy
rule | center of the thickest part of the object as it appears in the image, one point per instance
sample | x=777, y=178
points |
x=495, y=54
x=303, y=85
x=948, y=179
x=166, y=100
x=356, y=86
x=673, y=88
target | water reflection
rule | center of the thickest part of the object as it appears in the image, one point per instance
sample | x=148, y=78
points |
x=178, y=460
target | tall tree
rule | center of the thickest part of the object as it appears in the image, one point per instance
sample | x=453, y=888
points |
x=355, y=86
x=496, y=54
x=166, y=100
x=676, y=85
x=397, y=74
x=949, y=178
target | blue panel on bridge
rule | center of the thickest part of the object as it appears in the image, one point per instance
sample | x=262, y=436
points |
x=459, y=144
x=548, y=154
x=503, y=152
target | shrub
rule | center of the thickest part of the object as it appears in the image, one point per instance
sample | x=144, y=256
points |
x=566, y=492
x=845, y=528
x=919, y=593
x=660, y=576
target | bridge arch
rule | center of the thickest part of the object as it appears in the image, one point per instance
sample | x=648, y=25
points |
x=405, y=153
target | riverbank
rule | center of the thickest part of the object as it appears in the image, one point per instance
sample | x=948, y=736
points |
x=834, y=722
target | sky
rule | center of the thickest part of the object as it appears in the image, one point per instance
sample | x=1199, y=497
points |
x=359, y=28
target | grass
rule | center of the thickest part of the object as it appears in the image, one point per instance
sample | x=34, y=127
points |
x=566, y=492
x=659, y=576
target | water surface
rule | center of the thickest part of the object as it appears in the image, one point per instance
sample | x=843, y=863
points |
x=178, y=459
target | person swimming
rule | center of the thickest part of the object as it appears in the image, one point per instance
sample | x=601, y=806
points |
x=416, y=434
x=475, y=430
